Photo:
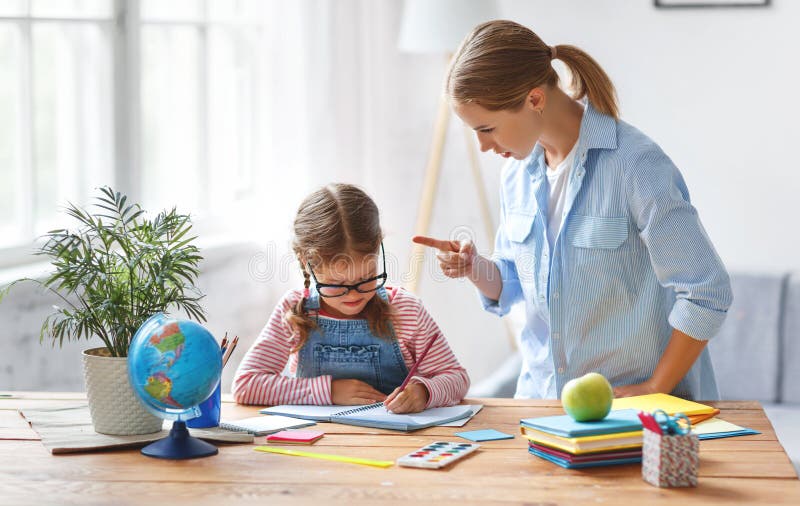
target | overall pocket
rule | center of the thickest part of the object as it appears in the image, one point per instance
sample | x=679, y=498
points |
x=361, y=362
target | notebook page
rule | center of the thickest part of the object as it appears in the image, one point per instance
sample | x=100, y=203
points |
x=428, y=417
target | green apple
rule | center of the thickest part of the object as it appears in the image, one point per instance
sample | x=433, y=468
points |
x=588, y=397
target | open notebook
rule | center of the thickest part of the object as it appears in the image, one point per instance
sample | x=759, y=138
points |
x=372, y=415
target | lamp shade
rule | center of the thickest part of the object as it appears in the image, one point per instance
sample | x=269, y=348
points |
x=439, y=26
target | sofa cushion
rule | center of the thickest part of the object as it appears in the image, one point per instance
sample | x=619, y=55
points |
x=790, y=353
x=746, y=351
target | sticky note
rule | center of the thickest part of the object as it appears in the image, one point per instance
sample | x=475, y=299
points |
x=484, y=435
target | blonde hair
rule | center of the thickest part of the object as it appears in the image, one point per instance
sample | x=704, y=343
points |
x=334, y=221
x=498, y=64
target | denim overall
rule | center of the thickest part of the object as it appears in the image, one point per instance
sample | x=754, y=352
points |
x=347, y=349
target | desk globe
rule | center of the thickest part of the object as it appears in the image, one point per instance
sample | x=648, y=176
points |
x=174, y=365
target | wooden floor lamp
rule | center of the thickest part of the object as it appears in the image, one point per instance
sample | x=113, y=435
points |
x=438, y=26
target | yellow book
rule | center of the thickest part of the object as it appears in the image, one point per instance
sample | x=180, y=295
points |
x=585, y=444
x=669, y=403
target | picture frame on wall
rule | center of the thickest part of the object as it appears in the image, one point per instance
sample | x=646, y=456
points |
x=690, y=4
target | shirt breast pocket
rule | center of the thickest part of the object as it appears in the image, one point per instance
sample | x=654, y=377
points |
x=597, y=232
x=518, y=226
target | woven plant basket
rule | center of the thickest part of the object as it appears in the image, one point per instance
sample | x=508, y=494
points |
x=114, y=407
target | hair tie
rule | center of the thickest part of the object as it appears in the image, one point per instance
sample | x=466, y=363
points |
x=306, y=293
x=553, y=53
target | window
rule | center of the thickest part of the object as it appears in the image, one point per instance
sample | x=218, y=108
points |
x=56, y=109
x=199, y=101
x=164, y=100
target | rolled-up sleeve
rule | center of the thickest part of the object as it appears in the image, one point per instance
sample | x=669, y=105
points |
x=681, y=252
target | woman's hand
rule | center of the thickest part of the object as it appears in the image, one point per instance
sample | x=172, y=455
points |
x=638, y=389
x=460, y=259
x=455, y=257
x=411, y=400
x=350, y=392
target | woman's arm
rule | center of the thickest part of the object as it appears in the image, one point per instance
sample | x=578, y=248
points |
x=677, y=359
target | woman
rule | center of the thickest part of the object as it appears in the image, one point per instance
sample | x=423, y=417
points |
x=597, y=236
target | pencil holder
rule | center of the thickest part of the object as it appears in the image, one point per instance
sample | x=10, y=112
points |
x=670, y=460
x=209, y=411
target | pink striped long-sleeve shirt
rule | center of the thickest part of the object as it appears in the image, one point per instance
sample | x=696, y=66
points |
x=259, y=379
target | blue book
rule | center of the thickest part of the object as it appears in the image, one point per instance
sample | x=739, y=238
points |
x=624, y=420
x=579, y=465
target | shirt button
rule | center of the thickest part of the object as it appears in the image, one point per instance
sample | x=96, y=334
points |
x=555, y=295
x=556, y=336
x=560, y=370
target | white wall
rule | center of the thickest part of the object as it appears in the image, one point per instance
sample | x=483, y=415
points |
x=714, y=88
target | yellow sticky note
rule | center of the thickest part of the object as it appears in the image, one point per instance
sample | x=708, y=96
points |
x=670, y=404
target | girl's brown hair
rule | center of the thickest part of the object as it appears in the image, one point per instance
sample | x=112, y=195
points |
x=337, y=222
x=498, y=64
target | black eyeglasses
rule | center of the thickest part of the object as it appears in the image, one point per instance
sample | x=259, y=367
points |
x=366, y=286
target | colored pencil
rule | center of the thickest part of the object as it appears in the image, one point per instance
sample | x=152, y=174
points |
x=416, y=364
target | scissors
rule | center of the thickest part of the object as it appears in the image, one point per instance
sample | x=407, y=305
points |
x=670, y=425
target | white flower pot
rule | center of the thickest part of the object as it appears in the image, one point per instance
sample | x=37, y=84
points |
x=114, y=407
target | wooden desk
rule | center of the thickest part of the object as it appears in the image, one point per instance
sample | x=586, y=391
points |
x=746, y=470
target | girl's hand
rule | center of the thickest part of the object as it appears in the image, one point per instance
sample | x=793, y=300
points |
x=411, y=400
x=456, y=258
x=350, y=392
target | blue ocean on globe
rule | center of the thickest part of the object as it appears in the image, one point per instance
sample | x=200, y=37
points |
x=173, y=366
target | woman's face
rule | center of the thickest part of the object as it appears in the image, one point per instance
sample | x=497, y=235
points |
x=510, y=134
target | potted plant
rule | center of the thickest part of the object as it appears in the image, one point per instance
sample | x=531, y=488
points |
x=112, y=272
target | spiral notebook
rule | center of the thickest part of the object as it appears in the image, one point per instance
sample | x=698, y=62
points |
x=263, y=425
x=373, y=415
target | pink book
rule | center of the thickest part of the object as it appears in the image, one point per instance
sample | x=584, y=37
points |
x=298, y=437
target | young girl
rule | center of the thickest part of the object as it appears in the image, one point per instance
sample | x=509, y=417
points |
x=348, y=339
x=597, y=236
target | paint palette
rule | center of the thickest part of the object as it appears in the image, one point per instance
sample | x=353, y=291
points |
x=437, y=455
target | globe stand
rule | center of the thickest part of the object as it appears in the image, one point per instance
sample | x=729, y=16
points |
x=179, y=445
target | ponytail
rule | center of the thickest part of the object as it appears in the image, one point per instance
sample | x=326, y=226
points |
x=498, y=64
x=297, y=318
x=588, y=78
x=379, y=315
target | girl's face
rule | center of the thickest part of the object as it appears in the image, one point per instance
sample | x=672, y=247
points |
x=349, y=269
x=510, y=134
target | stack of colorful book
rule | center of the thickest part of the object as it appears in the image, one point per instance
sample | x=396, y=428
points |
x=616, y=439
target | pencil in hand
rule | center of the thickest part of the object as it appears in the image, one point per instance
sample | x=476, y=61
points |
x=411, y=373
